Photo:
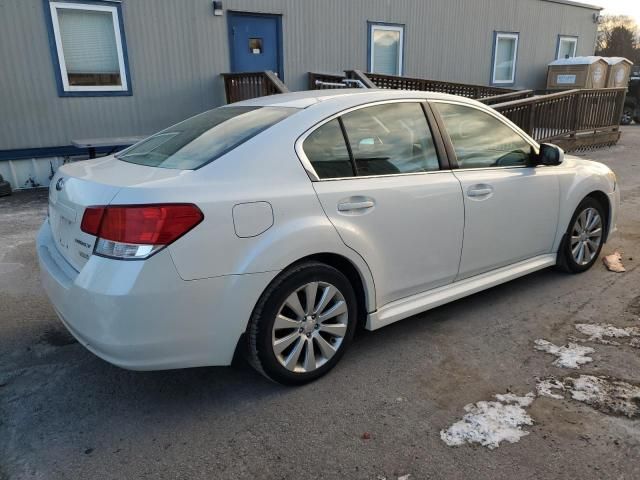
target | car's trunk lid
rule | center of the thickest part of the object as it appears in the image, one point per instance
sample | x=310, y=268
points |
x=76, y=186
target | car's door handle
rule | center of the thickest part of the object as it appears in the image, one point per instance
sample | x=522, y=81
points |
x=482, y=190
x=355, y=205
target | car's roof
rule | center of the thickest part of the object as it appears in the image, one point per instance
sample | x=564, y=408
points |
x=307, y=98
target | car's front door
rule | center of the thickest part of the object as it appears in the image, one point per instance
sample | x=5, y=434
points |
x=388, y=196
x=511, y=207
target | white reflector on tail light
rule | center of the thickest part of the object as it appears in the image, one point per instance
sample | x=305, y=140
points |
x=136, y=232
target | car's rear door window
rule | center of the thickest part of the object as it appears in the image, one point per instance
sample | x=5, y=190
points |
x=480, y=140
x=201, y=139
x=391, y=138
x=327, y=151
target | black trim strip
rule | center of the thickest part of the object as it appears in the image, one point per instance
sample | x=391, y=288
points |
x=63, y=151
x=354, y=167
x=451, y=153
x=443, y=159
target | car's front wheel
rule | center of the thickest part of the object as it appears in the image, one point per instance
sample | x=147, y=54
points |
x=584, y=238
x=302, y=324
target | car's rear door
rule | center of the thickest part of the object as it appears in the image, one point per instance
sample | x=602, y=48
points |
x=385, y=186
x=511, y=207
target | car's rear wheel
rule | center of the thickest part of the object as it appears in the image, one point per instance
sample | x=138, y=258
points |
x=584, y=238
x=302, y=324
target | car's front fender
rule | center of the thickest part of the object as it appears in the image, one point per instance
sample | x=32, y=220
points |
x=579, y=179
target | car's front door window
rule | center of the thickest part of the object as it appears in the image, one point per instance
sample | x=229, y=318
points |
x=481, y=140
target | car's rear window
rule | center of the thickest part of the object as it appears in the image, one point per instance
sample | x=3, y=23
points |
x=201, y=139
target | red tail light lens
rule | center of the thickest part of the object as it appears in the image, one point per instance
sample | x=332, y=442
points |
x=91, y=220
x=122, y=228
x=148, y=225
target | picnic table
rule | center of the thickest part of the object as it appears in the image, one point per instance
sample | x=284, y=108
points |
x=92, y=143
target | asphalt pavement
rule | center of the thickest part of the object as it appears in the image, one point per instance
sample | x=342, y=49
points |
x=65, y=414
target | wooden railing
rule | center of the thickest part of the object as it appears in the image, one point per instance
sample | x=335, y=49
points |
x=462, y=89
x=506, y=97
x=361, y=77
x=323, y=81
x=243, y=86
x=357, y=78
x=574, y=119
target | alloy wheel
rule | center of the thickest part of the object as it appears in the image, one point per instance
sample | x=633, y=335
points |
x=586, y=236
x=310, y=327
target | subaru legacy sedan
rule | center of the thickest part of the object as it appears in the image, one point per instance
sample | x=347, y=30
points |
x=276, y=226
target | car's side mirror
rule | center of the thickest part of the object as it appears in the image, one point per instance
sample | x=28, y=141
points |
x=549, y=155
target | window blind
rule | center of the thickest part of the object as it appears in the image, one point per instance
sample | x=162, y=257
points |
x=386, y=51
x=88, y=41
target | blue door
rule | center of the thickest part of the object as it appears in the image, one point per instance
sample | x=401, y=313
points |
x=255, y=43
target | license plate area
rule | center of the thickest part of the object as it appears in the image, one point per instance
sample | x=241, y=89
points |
x=62, y=220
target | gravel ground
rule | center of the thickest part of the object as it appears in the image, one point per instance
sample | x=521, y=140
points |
x=65, y=414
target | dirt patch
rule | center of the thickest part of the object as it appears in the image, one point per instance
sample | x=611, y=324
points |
x=57, y=338
x=634, y=306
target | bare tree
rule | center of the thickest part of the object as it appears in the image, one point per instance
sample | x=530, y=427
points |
x=618, y=36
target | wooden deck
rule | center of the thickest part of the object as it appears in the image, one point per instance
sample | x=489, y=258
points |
x=243, y=86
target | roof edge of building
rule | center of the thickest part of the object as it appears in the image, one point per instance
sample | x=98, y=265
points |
x=575, y=4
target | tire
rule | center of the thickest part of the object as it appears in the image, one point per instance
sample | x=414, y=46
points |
x=627, y=115
x=569, y=253
x=5, y=187
x=284, y=354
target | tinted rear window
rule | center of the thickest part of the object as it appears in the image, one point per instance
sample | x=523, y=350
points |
x=201, y=139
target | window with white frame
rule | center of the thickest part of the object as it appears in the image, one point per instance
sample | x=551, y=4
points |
x=505, y=55
x=566, y=47
x=386, y=43
x=89, y=47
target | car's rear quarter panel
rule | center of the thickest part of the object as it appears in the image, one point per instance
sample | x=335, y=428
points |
x=264, y=169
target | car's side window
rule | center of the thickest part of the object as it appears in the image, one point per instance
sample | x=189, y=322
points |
x=327, y=151
x=481, y=140
x=390, y=139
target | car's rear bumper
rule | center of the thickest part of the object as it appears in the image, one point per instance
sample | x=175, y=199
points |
x=141, y=315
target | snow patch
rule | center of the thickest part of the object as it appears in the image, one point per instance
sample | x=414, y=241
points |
x=489, y=423
x=571, y=355
x=601, y=331
x=513, y=398
x=545, y=388
x=576, y=60
x=605, y=394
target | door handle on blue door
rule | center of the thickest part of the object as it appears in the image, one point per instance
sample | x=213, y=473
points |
x=480, y=191
x=356, y=204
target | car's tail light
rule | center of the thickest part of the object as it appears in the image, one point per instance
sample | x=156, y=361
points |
x=138, y=231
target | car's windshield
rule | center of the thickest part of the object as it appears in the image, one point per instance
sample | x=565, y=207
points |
x=201, y=139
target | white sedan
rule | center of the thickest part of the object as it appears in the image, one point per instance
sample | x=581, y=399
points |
x=275, y=226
